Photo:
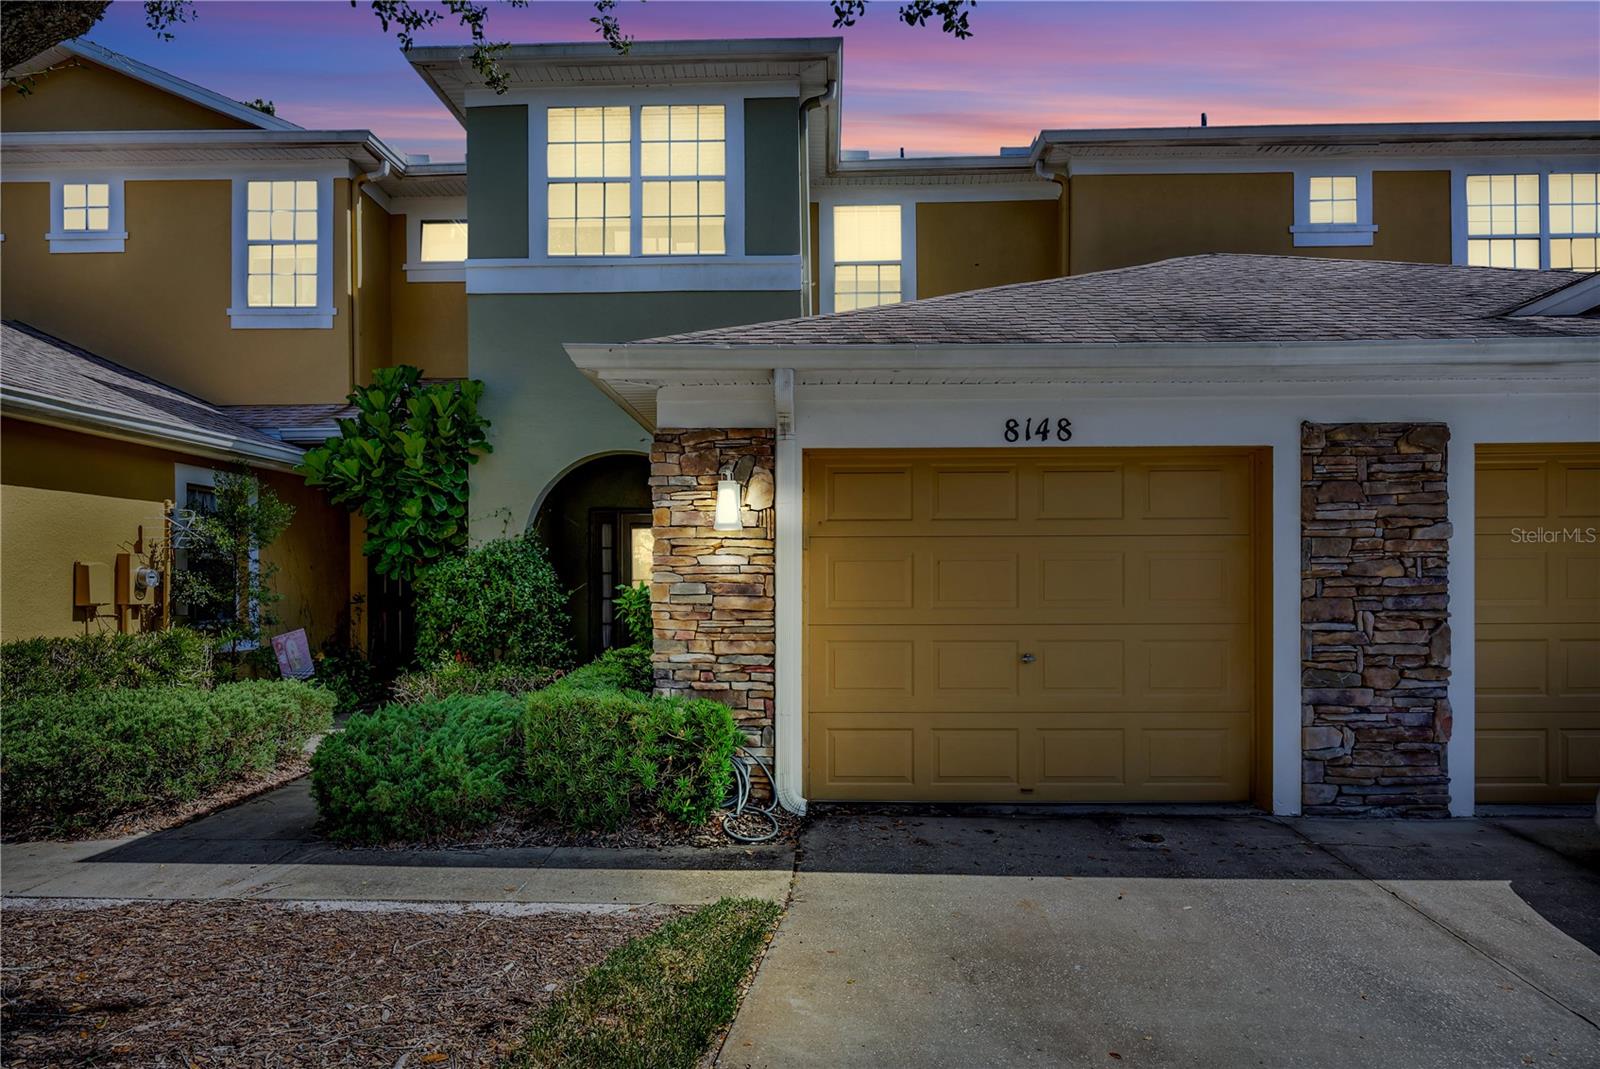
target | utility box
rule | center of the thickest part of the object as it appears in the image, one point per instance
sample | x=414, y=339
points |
x=135, y=585
x=91, y=584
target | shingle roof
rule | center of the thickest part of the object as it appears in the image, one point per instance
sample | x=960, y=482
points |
x=287, y=421
x=1216, y=299
x=43, y=374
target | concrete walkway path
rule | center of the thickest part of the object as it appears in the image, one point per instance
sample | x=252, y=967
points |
x=266, y=849
x=1182, y=941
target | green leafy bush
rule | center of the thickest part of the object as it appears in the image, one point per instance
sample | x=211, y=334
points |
x=39, y=667
x=498, y=602
x=457, y=677
x=633, y=609
x=596, y=756
x=413, y=772
x=623, y=668
x=343, y=668
x=74, y=761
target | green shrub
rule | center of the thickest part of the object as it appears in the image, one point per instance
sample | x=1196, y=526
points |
x=498, y=602
x=344, y=669
x=634, y=610
x=75, y=761
x=411, y=772
x=457, y=677
x=623, y=668
x=39, y=667
x=594, y=756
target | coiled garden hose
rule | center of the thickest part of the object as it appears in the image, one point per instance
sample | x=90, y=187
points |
x=740, y=802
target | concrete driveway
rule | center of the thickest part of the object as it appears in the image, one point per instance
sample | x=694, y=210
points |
x=1183, y=941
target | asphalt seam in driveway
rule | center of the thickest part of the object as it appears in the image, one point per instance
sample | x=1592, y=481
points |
x=1383, y=886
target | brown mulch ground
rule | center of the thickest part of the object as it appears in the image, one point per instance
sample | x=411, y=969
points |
x=261, y=984
x=647, y=832
x=160, y=818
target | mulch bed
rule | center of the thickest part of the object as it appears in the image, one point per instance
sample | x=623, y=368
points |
x=262, y=984
x=651, y=832
x=160, y=818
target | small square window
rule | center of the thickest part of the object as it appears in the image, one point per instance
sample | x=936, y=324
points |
x=85, y=207
x=444, y=240
x=1333, y=200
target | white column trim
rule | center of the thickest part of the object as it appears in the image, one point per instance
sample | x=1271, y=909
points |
x=1461, y=750
x=788, y=716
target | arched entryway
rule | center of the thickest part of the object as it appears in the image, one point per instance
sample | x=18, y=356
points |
x=595, y=521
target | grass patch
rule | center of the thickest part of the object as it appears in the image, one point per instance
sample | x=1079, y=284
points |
x=656, y=1002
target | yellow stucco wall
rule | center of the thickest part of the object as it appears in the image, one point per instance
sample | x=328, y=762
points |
x=969, y=245
x=1119, y=220
x=161, y=305
x=372, y=276
x=429, y=319
x=86, y=96
x=67, y=496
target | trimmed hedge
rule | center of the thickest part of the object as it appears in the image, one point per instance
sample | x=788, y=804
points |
x=595, y=757
x=40, y=667
x=454, y=677
x=500, y=602
x=410, y=772
x=75, y=761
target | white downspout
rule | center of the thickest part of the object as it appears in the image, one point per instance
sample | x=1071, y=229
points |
x=788, y=718
x=808, y=275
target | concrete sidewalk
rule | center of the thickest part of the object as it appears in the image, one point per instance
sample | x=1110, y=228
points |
x=1182, y=941
x=266, y=849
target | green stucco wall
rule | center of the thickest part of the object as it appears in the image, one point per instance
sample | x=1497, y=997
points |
x=546, y=415
x=772, y=176
x=497, y=145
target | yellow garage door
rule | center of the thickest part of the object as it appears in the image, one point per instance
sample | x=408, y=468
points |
x=1538, y=582
x=1060, y=625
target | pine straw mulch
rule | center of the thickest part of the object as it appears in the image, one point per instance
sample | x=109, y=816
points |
x=170, y=815
x=264, y=984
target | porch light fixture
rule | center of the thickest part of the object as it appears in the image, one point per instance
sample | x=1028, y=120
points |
x=730, y=494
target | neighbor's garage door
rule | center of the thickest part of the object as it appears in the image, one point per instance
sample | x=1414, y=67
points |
x=1012, y=626
x=1538, y=623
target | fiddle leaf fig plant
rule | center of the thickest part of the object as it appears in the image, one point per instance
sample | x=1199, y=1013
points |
x=402, y=462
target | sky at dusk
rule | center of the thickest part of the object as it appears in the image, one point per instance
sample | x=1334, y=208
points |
x=1029, y=66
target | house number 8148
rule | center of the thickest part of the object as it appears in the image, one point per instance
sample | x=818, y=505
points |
x=1039, y=430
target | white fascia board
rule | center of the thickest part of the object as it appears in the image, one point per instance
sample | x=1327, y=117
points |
x=41, y=408
x=1356, y=357
x=299, y=145
x=1329, y=133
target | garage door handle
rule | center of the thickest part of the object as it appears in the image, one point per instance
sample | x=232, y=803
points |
x=1028, y=658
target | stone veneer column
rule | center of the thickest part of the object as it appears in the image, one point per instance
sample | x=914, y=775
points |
x=1374, y=611
x=713, y=590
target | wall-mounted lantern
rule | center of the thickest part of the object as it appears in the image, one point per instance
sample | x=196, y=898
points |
x=730, y=494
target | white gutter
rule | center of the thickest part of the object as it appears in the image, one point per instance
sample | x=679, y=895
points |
x=42, y=408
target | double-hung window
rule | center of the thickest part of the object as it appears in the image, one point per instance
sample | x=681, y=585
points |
x=866, y=256
x=667, y=164
x=1533, y=219
x=281, y=261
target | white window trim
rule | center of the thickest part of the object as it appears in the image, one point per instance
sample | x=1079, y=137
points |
x=1511, y=165
x=319, y=317
x=828, y=200
x=113, y=239
x=185, y=476
x=418, y=210
x=1325, y=235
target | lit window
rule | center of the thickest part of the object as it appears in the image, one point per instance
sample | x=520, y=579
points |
x=683, y=148
x=1575, y=210
x=589, y=217
x=866, y=255
x=85, y=206
x=281, y=239
x=1503, y=220
x=1333, y=199
x=444, y=240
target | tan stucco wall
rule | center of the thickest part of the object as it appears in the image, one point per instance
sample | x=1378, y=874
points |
x=161, y=305
x=965, y=245
x=374, y=307
x=86, y=96
x=67, y=496
x=429, y=319
x=1119, y=220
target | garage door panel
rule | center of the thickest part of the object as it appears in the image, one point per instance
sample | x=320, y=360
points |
x=1538, y=635
x=866, y=578
x=973, y=493
x=973, y=578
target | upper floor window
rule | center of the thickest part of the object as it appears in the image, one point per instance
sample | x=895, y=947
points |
x=1333, y=199
x=86, y=216
x=682, y=157
x=1575, y=221
x=866, y=255
x=670, y=166
x=1503, y=220
x=443, y=241
x=281, y=245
